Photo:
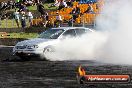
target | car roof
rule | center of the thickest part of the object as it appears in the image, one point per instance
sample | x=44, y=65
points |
x=68, y=28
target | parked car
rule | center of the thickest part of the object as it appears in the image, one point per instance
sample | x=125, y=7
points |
x=45, y=41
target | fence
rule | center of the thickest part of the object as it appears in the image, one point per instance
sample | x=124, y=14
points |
x=10, y=23
x=67, y=20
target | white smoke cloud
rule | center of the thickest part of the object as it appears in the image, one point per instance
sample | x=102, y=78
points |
x=112, y=45
x=86, y=47
x=116, y=19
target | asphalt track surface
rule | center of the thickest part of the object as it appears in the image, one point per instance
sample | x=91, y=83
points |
x=15, y=73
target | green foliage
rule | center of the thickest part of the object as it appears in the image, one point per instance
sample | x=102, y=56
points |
x=32, y=7
x=8, y=23
x=46, y=5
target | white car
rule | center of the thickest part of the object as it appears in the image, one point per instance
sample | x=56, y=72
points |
x=45, y=41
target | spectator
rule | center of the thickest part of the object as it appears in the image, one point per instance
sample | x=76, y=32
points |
x=16, y=16
x=83, y=1
x=14, y=5
x=89, y=9
x=75, y=12
x=69, y=3
x=22, y=7
x=17, y=3
x=24, y=1
x=30, y=17
x=30, y=3
x=46, y=19
x=23, y=19
x=62, y=4
x=70, y=22
x=5, y=5
x=58, y=19
x=10, y=4
x=36, y=1
x=55, y=4
x=0, y=5
x=40, y=8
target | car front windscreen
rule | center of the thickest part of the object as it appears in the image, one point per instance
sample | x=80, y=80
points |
x=51, y=34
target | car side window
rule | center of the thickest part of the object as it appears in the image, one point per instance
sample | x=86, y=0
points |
x=80, y=31
x=70, y=32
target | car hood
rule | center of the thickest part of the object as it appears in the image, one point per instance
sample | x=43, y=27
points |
x=34, y=41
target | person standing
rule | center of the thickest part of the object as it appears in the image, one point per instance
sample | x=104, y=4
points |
x=16, y=17
x=22, y=7
x=23, y=19
x=75, y=12
x=89, y=9
x=30, y=17
x=36, y=1
x=40, y=8
x=58, y=21
x=62, y=4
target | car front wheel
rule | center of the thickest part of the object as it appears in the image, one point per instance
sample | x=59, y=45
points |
x=24, y=58
x=47, y=52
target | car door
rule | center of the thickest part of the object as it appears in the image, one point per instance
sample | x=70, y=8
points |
x=70, y=33
x=80, y=31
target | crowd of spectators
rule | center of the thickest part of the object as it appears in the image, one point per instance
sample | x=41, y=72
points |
x=22, y=14
x=15, y=4
x=62, y=3
x=76, y=11
x=7, y=5
x=21, y=4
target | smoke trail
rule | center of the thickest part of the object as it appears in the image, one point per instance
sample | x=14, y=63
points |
x=116, y=19
x=112, y=44
x=86, y=47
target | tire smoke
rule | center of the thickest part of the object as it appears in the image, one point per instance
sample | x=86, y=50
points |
x=116, y=18
x=86, y=47
x=112, y=43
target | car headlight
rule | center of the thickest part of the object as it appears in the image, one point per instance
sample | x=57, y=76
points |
x=32, y=47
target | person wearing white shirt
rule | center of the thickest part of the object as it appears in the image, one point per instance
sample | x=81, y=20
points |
x=30, y=17
x=58, y=19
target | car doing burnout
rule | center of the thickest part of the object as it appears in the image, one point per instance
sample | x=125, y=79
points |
x=45, y=41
